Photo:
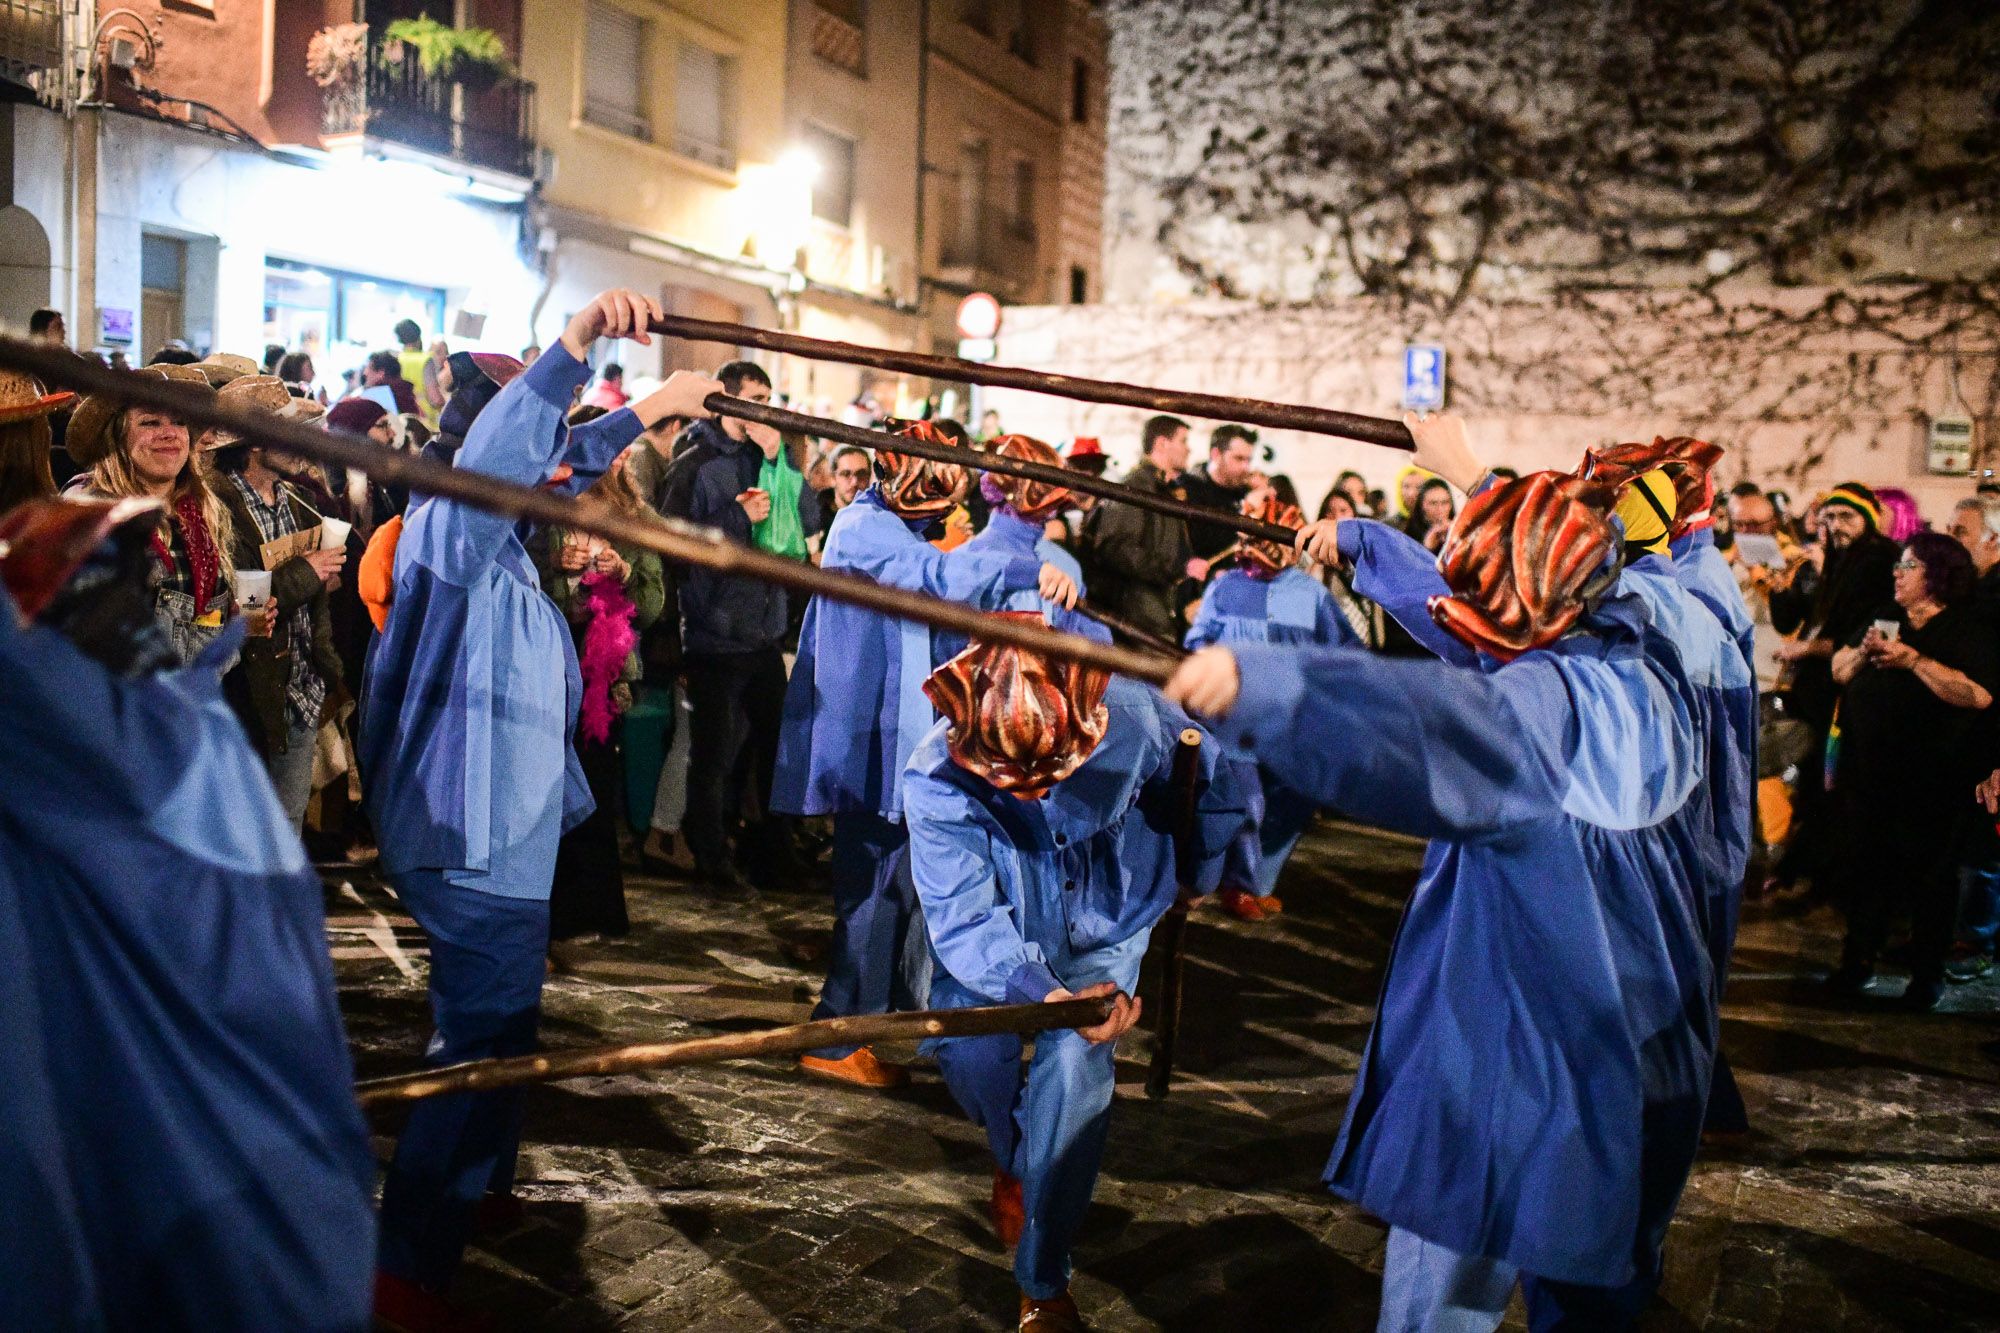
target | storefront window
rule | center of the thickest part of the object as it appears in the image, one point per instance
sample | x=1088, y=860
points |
x=338, y=318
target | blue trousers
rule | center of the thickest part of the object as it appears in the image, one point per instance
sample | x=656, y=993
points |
x=1278, y=816
x=1427, y=1288
x=1046, y=1120
x=874, y=908
x=488, y=959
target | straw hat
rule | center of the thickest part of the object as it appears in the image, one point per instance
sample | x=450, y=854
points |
x=266, y=393
x=89, y=437
x=22, y=397
x=219, y=368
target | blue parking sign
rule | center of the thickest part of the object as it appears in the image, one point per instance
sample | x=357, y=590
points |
x=1423, y=377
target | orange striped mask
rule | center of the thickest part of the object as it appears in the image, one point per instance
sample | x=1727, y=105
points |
x=1018, y=719
x=917, y=487
x=1521, y=560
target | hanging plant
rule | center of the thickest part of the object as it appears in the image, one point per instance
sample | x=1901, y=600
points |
x=334, y=56
x=473, y=56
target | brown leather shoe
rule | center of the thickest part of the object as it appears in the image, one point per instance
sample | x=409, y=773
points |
x=1009, y=1213
x=1056, y=1315
x=861, y=1069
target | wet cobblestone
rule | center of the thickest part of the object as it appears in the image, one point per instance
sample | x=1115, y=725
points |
x=744, y=1197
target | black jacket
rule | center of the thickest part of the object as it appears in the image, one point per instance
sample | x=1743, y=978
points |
x=723, y=613
x=1135, y=560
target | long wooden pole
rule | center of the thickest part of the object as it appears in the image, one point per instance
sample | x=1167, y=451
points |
x=674, y=539
x=1124, y=628
x=979, y=460
x=549, y=1066
x=1215, y=407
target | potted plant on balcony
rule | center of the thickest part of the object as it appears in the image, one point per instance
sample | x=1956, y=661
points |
x=471, y=57
x=335, y=58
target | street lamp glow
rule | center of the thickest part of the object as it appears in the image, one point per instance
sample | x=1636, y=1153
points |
x=799, y=163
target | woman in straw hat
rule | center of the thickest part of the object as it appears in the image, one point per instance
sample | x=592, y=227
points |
x=145, y=452
x=25, y=440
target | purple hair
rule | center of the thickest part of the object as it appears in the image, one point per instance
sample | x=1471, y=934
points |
x=1900, y=516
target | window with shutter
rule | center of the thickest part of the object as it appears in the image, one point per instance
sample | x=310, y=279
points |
x=833, y=186
x=702, y=120
x=614, y=70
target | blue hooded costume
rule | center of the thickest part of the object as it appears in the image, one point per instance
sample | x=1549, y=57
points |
x=1290, y=607
x=471, y=696
x=183, y=1146
x=1024, y=896
x=854, y=712
x=1532, y=1092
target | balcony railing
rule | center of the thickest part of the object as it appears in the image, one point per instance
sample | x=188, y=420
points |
x=840, y=42
x=392, y=98
x=39, y=47
x=996, y=253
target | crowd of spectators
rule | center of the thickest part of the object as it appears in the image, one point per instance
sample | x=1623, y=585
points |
x=1877, y=638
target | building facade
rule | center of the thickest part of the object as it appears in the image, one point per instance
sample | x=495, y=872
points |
x=231, y=173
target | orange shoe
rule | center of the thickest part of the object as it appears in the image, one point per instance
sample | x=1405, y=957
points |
x=861, y=1069
x=1242, y=905
x=1010, y=1214
x=1272, y=904
x=1055, y=1315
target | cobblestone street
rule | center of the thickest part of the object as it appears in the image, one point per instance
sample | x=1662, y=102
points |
x=744, y=1196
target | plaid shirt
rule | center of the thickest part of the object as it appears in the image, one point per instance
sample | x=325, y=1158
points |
x=305, y=692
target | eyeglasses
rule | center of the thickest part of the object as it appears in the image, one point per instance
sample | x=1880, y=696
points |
x=851, y=474
x=1905, y=565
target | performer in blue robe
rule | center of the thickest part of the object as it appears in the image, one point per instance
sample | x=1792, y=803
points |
x=1042, y=872
x=183, y=1146
x=1532, y=1093
x=1267, y=598
x=472, y=691
x=854, y=712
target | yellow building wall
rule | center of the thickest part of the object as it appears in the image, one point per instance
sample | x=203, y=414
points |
x=648, y=186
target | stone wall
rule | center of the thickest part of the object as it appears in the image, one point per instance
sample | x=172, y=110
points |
x=1803, y=387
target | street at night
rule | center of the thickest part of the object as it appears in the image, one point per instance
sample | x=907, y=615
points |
x=745, y=1196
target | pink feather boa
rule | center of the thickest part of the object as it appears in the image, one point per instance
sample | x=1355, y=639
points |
x=608, y=639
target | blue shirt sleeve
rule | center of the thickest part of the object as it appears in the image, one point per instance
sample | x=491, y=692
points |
x=594, y=444
x=980, y=580
x=1399, y=574
x=1422, y=747
x=518, y=437
x=1207, y=627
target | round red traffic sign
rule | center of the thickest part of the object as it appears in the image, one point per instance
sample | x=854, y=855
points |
x=979, y=316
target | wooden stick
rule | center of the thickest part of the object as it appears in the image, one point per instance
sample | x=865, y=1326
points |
x=978, y=460
x=1145, y=638
x=549, y=1066
x=675, y=539
x=1215, y=407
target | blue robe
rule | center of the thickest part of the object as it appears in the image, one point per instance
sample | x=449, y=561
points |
x=1533, y=1087
x=472, y=690
x=184, y=1149
x=854, y=711
x=1007, y=536
x=1292, y=607
x=855, y=708
x=1025, y=896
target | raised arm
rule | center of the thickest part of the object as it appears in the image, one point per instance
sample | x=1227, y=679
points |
x=1421, y=747
x=1399, y=574
x=889, y=553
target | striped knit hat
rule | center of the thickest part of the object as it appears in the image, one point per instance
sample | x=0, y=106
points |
x=1860, y=499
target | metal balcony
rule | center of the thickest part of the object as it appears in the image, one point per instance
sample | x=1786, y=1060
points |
x=394, y=100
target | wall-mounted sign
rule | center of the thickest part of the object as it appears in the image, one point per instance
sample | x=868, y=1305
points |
x=979, y=316
x=1950, y=447
x=114, y=325
x=1423, y=377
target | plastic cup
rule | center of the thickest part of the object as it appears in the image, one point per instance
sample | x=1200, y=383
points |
x=253, y=587
x=333, y=533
